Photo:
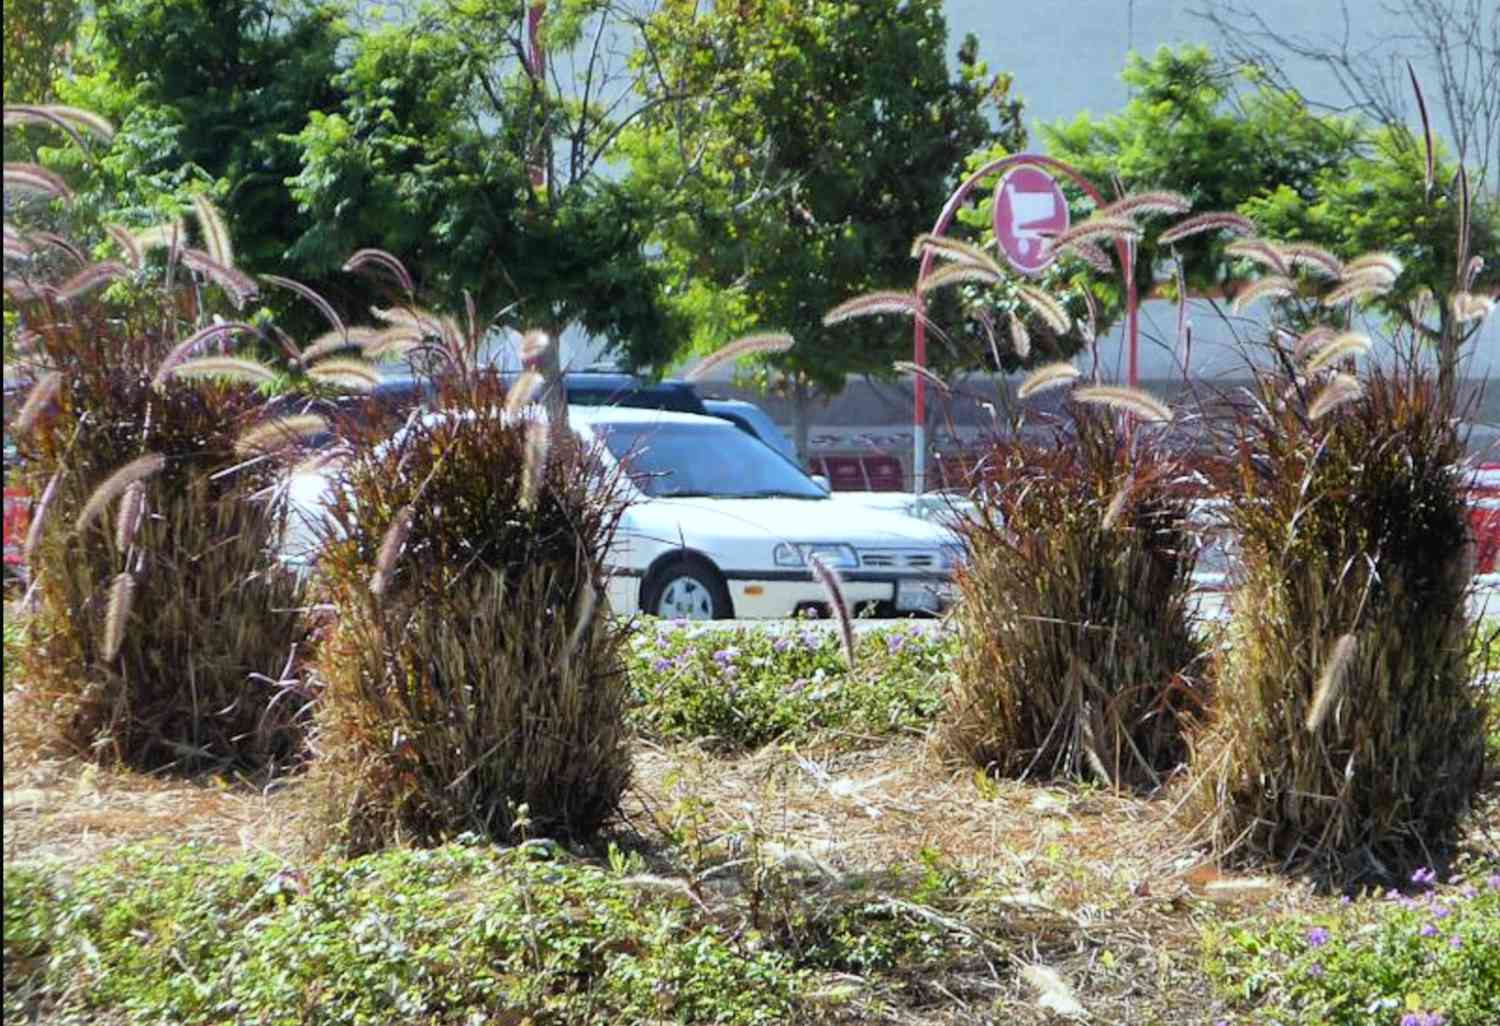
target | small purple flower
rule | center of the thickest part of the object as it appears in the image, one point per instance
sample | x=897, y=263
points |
x=1455, y=941
x=662, y=665
x=780, y=645
x=811, y=640
x=1494, y=881
x=725, y=656
x=1412, y=1019
x=1317, y=937
x=1440, y=912
x=731, y=672
x=1424, y=877
x=1315, y=970
x=1428, y=930
x=1346, y=900
x=894, y=643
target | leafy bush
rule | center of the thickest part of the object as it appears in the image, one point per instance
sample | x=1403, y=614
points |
x=742, y=688
x=1349, y=738
x=1400, y=960
x=1075, y=635
x=157, y=600
x=454, y=935
x=472, y=667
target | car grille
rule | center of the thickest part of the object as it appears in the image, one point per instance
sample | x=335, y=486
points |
x=898, y=559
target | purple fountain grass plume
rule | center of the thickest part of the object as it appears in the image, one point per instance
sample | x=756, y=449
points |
x=38, y=518
x=24, y=292
x=1159, y=201
x=1260, y=251
x=280, y=433
x=1020, y=339
x=534, y=466
x=955, y=274
x=236, y=368
x=1214, y=221
x=1348, y=343
x=1116, y=506
x=883, y=302
x=1090, y=254
x=1051, y=375
x=332, y=341
x=1378, y=263
x=1471, y=273
x=534, y=343
x=1139, y=404
x=67, y=119
x=1098, y=227
x=1091, y=327
x=769, y=342
x=128, y=519
x=1357, y=287
x=137, y=469
x=16, y=246
x=179, y=352
x=1310, y=342
x=1330, y=682
x=135, y=256
x=425, y=321
x=33, y=178
x=90, y=278
x=41, y=395
x=1426, y=130
x=237, y=285
x=121, y=597
x=1341, y=389
x=583, y=613
x=346, y=372
x=956, y=250
x=167, y=236
x=1471, y=306
x=836, y=601
x=521, y=392
x=907, y=367
x=1314, y=258
x=385, y=261
x=391, y=547
x=1273, y=286
x=396, y=340
x=1464, y=213
x=323, y=306
x=215, y=231
x=1045, y=307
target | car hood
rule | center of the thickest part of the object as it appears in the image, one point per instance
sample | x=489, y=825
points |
x=798, y=520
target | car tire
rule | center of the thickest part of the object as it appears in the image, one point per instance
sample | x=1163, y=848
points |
x=687, y=588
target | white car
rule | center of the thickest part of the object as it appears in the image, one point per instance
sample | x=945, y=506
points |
x=721, y=526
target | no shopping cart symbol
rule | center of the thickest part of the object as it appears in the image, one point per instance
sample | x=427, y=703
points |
x=1029, y=209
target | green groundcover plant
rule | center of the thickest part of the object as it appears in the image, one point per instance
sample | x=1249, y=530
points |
x=1429, y=956
x=740, y=689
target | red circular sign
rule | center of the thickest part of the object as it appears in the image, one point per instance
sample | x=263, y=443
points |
x=1029, y=210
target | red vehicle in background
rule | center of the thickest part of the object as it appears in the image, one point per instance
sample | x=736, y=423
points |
x=1484, y=517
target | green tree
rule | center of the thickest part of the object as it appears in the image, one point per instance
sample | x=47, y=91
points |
x=460, y=149
x=37, y=36
x=824, y=137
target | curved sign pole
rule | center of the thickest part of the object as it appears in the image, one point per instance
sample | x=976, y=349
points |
x=1023, y=259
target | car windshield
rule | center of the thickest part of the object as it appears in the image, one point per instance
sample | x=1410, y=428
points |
x=674, y=459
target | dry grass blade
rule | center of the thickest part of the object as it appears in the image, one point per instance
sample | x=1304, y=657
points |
x=1020, y=338
x=768, y=342
x=1314, y=258
x=957, y=251
x=391, y=546
x=281, y=433
x=90, y=278
x=1336, y=348
x=836, y=601
x=237, y=285
x=329, y=314
x=34, y=178
x=42, y=393
x=179, y=352
x=1259, y=251
x=1130, y=400
x=380, y=258
x=915, y=370
x=346, y=372
x=38, y=518
x=134, y=254
x=1159, y=201
x=1330, y=682
x=1342, y=389
x=884, y=302
x=235, y=368
x=1214, y=221
x=132, y=506
x=1273, y=286
x=1471, y=306
x=1050, y=376
x=121, y=597
x=534, y=469
x=1098, y=227
x=1053, y=992
x=114, y=486
x=215, y=230
x=956, y=274
x=1046, y=307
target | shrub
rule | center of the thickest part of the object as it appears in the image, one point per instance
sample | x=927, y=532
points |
x=156, y=611
x=1075, y=635
x=472, y=668
x=738, y=689
x=1349, y=738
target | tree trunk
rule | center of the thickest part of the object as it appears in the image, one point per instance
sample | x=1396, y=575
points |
x=800, y=428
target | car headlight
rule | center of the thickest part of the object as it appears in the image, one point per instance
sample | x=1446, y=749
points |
x=841, y=557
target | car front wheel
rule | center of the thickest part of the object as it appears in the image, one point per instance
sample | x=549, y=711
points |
x=687, y=589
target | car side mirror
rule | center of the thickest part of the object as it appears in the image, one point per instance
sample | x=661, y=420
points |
x=822, y=482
